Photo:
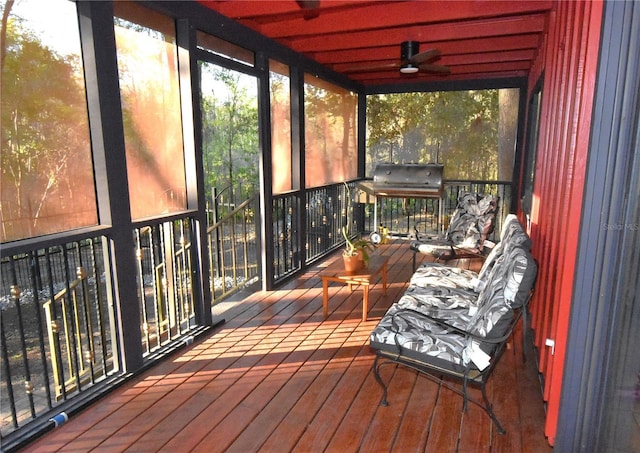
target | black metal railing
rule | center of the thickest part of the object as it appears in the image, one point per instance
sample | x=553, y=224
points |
x=401, y=215
x=233, y=249
x=327, y=209
x=164, y=280
x=286, y=238
x=58, y=330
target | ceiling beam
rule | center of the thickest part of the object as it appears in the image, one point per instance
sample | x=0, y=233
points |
x=268, y=11
x=441, y=80
x=454, y=60
x=418, y=12
x=496, y=67
x=424, y=34
x=480, y=45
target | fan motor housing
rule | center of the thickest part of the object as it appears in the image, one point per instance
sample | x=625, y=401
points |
x=408, y=49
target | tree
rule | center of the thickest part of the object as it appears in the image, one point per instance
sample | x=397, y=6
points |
x=456, y=128
x=330, y=132
x=230, y=132
x=47, y=177
x=508, y=125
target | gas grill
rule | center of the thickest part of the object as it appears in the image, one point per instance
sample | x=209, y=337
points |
x=405, y=181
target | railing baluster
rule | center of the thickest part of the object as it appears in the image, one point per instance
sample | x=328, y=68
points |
x=141, y=287
x=7, y=373
x=28, y=383
x=222, y=264
x=36, y=283
x=157, y=272
x=180, y=275
x=53, y=328
x=97, y=289
x=89, y=355
x=233, y=248
x=70, y=303
x=172, y=280
x=189, y=274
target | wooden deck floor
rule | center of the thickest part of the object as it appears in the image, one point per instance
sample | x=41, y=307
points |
x=277, y=377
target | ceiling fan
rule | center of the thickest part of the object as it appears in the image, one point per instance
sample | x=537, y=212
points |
x=411, y=61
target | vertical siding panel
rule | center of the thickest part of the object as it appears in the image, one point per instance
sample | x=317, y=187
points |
x=561, y=180
x=548, y=102
x=549, y=152
x=586, y=54
x=569, y=67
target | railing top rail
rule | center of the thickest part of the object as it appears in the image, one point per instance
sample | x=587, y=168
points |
x=311, y=189
x=463, y=181
x=153, y=221
x=9, y=249
x=476, y=181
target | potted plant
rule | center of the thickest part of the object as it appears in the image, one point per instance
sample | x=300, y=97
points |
x=356, y=250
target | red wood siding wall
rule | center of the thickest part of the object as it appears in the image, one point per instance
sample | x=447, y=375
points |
x=568, y=61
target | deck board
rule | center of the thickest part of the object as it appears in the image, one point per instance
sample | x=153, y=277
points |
x=278, y=377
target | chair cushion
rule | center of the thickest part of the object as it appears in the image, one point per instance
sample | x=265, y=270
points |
x=438, y=274
x=512, y=235
x=513, y=275
x=473, y=219
x=410, y=328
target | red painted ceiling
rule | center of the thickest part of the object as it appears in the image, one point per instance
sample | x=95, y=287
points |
x=476, y=39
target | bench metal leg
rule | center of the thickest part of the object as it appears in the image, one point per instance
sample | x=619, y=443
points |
x=489, y=410
x=376, y=374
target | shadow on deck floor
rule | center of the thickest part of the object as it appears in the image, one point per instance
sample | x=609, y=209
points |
x=278, y=377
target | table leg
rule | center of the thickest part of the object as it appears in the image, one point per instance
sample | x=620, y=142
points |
x=365, y=302
x=384, y=279
x=325, y=297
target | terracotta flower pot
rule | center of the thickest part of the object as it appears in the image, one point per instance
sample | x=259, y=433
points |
x=353, y=263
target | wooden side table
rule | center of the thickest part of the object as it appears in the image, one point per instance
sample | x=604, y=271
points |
x=335, y=273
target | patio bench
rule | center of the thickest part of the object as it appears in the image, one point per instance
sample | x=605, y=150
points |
x=452, y=325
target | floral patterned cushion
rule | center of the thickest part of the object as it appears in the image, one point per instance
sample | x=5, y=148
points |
x=410, y=327
x=473, y=219
x=437, y=274
x=471, y=223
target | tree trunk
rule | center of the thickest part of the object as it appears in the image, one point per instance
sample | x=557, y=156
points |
x=507, y=125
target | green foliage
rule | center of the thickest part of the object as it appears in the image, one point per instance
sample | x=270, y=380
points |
x=457, y=128
x=45, y=140
x=353, y=245
x=230, y=131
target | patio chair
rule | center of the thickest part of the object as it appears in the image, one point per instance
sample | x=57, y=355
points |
x=466, y=237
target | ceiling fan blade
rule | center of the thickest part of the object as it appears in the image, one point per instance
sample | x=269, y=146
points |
x=372, y=68
x=424, y=57
x=435, y=68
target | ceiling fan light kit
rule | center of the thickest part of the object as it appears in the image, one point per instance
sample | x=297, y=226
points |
x=408, y=69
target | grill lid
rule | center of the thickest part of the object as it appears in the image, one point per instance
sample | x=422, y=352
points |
x=406, y=180
x=409, y=174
